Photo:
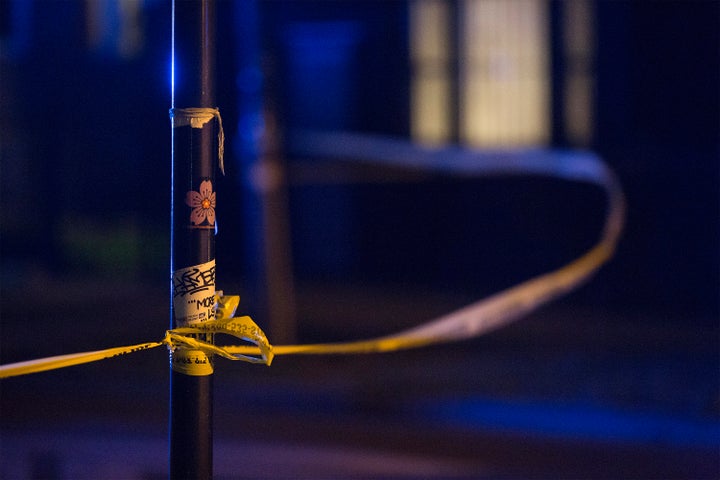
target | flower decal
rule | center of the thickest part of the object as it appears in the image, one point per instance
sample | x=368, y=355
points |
x=202, y=203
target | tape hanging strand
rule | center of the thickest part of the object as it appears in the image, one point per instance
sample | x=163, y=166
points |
x=471, y=321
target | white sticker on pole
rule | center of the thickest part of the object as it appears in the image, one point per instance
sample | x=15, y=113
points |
x=193, y=290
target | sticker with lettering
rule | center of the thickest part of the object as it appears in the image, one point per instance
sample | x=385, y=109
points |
x=193, y=291
x=191, y=362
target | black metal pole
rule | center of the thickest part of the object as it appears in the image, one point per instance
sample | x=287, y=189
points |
x=194, y=163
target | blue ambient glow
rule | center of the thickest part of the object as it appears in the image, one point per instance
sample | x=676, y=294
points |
x=172, y=80
x=572, y=421
x=172, y=59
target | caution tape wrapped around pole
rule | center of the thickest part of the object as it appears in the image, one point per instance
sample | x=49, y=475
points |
x=471, y=321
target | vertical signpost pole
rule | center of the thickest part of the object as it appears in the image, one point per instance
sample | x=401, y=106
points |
x=195, y=127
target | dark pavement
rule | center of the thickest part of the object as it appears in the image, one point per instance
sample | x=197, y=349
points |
x=565, y=393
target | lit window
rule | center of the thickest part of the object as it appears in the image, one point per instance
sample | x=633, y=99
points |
x=503, y=82
x=431, y=116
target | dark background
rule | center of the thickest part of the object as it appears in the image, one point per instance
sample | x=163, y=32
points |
x=84, y=142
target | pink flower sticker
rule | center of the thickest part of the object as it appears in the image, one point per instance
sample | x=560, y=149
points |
x=202, y=203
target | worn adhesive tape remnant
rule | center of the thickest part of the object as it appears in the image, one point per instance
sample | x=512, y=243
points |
x=197, y=117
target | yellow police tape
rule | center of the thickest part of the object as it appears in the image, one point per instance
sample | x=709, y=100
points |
x=178, y=339
x=193, y=356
